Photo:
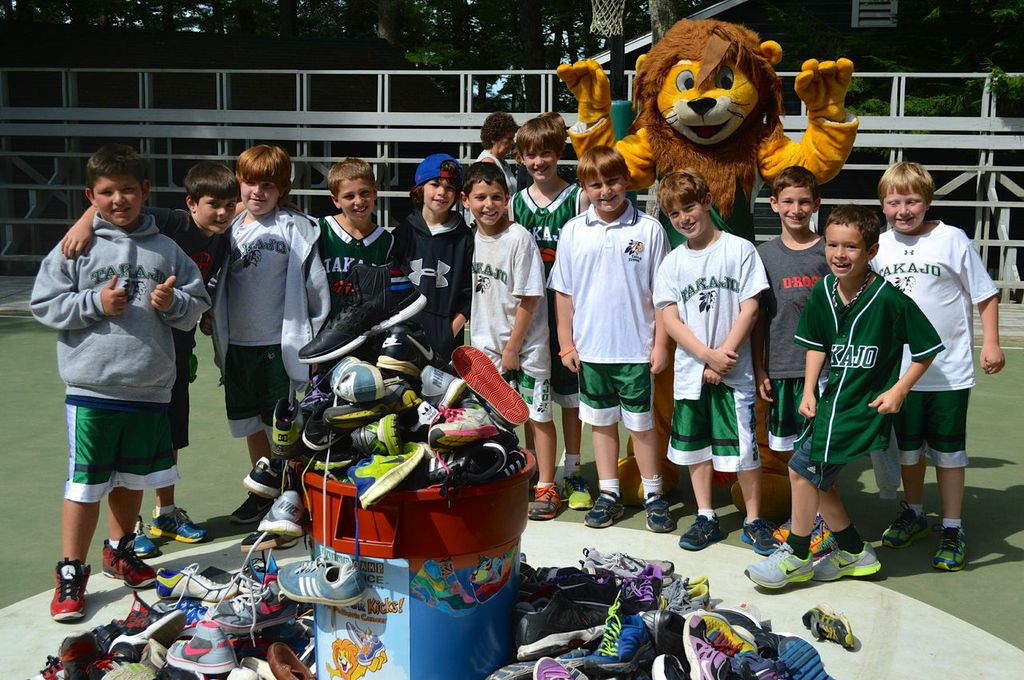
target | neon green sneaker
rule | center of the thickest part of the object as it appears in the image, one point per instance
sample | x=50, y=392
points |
x=377, y=475
x=905, y=529
x=577, y=492
x=952, y=552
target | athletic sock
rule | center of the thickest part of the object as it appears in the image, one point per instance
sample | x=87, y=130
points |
x=918, y=508
x=162, y=510
x=609, y=486
x=706, y=512
x=949, y=523
x=113, y=544
x=801, y=545
x=651, y=486
x=571, y=464
x=849, y=540
x=544, y=485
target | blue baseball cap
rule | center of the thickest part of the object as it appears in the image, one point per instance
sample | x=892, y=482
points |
x=434, y=166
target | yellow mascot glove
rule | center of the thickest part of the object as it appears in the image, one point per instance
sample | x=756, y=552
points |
x=822, y=86
x=589, y=84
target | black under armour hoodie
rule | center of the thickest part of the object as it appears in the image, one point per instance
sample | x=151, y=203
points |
x=439, y=265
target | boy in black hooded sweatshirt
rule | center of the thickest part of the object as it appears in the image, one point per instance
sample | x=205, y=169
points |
x=436, y=246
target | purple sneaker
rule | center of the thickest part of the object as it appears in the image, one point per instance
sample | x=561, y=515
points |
x=641, y=593
x=550, y=669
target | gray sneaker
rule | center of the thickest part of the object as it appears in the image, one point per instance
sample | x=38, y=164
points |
x=621, y=564
x=441, y=388
x=285, y=516
x=780, y=569
x=260, y=608
x=208, y=652
x=840, y=563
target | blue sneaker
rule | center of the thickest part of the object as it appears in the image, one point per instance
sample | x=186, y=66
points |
x=143, y=547
x=625, y=645
x=702, y=533
x=606, y=510
x=802, y=660
x=176, y=525
x=194, y=610
x=658, y=519
x=322, y=581
x=759, y=534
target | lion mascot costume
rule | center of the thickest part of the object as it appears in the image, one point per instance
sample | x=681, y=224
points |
x=707, y=97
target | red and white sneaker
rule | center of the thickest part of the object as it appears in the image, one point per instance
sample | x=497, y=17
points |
x=68, y=601
x=125, y=565
x=483, y=378
x=462, y=426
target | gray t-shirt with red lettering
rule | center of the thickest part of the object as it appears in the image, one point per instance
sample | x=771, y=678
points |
x=791, y=274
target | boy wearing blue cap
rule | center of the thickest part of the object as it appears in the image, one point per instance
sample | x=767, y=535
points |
x=436, y=246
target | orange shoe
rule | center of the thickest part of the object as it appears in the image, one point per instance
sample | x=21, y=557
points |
x=546, y=504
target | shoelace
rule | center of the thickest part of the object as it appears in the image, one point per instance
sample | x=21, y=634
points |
x=640, y=588
x=181, y=516
x=69, y=587
x=53, y=666
x=576, y=483
x=950, y=539
x=126, y=553
x=612, y=628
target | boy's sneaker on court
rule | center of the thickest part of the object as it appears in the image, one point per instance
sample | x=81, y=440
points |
x=606, y=510
x=702, y=533
x=406, y=350
x=285, y=516
x=840, y=563
x=825, y=624
x=952, y=552
x=264, y=479
x=658, y=519
x=483, y=378
x=376, y=298
x=759, y=535
x=547, y=501
x=176, y=525
x=780, y=569
x=577, y=493
x=251, y=510
x=905, y=529
x=123, y=564
x=144, y=548
x=68, y=601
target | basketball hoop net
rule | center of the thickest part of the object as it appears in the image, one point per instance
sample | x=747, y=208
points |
x=607, y=17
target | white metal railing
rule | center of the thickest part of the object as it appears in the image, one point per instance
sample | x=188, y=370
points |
x=43, y=145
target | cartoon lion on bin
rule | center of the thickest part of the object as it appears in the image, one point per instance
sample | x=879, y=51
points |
x=707, y=97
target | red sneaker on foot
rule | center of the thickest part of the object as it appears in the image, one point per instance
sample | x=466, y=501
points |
x=68, y=601
x=125, y=565
x=479, y=372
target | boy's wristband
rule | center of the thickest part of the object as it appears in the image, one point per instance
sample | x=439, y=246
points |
x=566, y=352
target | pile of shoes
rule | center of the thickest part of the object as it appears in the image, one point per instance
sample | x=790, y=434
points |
x=620, y=616
x=379, y=411
x=244, y=628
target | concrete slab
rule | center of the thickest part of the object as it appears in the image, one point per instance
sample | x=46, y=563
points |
x=897, y=636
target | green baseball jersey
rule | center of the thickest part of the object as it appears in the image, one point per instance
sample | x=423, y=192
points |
x=545, y=224
x=339, y=250
x=864, y=343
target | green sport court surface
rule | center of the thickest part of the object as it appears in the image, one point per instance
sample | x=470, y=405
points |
x=986, y=594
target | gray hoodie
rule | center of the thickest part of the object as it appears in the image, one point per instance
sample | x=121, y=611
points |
x=129, y=357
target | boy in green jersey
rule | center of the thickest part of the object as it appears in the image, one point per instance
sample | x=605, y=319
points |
x=351, y=237
x=543, y=208
x=860, y=322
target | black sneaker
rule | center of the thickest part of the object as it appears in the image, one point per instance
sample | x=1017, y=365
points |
x=318, y=435
x=406, y=350
x=251, y=510
x=702, y=533
x=376, y=298
x=515, y=462
x=607, y=508
x=549, y=626
x=265, y=478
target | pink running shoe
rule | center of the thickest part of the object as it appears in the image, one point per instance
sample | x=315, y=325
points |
x=462, y=426
x=480, y=374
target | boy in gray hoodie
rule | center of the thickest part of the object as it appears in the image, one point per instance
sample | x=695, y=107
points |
x=115, y=308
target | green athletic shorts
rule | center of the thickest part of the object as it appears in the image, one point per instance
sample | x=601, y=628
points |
x=719, y=426
x=784, y=420
x=934, y=423
x=536, y=392
x=108, y=448
x=613, y=392
x=254, y=380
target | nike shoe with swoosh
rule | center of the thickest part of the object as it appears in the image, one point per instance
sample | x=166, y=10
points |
x=840, y=563
x=780, y=569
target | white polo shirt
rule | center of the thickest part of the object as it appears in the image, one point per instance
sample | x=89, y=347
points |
x=609, y=269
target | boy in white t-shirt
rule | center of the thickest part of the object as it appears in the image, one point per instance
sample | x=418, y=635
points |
x=707, y=294
x=510, y=317
x=935, y=265
x=604, y=281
